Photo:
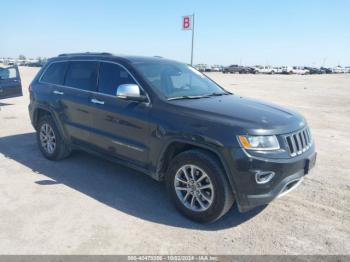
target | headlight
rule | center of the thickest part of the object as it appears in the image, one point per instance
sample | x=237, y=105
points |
x=259, y=142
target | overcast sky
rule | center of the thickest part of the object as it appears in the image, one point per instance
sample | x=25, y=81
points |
x=289, y=32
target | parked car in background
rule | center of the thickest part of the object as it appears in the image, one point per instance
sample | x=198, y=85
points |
x=31, y=62
x=314, y=70
x=232, y=69
x=339, y=70
x=20, y=62
x=10, y=82
x=286, y=70
x=277, y=70
x=217, y=68
x=249, y=70
x=265, y=70
x=34, y=63
x=327, y=70
x=300, y=70
x=203, y=68
x=10, y=62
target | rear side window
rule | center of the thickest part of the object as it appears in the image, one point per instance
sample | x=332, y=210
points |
x=111, y=76
x=55, y=73
x=82, y=75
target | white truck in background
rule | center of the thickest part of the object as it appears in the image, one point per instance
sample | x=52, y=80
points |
x=299, y=70
x=264, y=69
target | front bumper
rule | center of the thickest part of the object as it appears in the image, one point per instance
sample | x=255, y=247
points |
x=288, y=175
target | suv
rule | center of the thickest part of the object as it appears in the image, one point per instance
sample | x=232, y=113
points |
x=211, y=147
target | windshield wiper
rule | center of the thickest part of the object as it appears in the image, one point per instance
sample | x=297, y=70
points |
x=218, y=94
x=186, y=97
x=198, y=97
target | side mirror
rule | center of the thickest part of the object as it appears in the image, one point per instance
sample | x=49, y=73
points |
x=130, y=92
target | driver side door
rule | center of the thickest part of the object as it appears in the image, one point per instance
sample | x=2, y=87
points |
x=10, y=82
x=121, y=127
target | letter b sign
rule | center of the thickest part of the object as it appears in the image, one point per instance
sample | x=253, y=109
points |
x=186, y=23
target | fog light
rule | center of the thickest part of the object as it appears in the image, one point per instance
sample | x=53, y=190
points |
x=263, y=177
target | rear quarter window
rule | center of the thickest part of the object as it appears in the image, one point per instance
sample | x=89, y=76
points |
x=55, y=73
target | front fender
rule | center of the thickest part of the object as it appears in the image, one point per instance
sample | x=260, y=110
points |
x=212, y=146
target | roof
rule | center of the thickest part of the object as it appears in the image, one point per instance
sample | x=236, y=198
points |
x=110, y=56
x=86, y=54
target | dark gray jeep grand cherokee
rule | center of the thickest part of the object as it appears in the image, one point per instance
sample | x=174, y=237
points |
x=164, y=118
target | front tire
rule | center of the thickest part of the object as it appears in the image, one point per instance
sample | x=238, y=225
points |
x=50, y=141
x=198, y=187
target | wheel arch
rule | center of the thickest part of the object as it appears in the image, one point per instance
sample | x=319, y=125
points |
x=38, y=114
x=41, y=111
x=177, y=146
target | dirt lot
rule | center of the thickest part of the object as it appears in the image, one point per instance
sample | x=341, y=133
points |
x=87, y=205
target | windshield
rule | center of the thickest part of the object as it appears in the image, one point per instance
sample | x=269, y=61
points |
x=177, y=80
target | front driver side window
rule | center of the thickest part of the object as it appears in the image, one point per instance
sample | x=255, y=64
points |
x=111, y=76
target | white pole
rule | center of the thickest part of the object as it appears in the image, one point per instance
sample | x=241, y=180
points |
x=192, y=39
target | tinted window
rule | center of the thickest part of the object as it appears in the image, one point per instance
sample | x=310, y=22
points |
x=82, y=75
x=55, y=73
x=111, y=76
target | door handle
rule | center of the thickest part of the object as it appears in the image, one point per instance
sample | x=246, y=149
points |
x=95, y=101
x=56, y=92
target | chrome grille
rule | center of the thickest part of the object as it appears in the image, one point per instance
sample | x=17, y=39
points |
x=298, y=142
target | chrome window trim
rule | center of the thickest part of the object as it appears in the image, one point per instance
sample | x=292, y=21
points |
x=92, y=92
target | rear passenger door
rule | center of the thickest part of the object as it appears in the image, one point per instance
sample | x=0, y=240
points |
x=121, y=126
x=10, y=82
x=75, y=98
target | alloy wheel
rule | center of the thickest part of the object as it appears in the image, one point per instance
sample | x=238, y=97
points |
x=194, y=188
x=47, y=138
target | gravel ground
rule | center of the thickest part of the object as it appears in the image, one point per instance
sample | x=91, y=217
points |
x=85, y=205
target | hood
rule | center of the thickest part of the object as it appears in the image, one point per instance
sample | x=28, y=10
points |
x=256, y=117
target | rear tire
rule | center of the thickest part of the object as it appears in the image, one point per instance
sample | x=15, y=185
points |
x=50, y=141
x=198, y=187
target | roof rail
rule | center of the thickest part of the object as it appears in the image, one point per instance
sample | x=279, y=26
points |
x=86, y=53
